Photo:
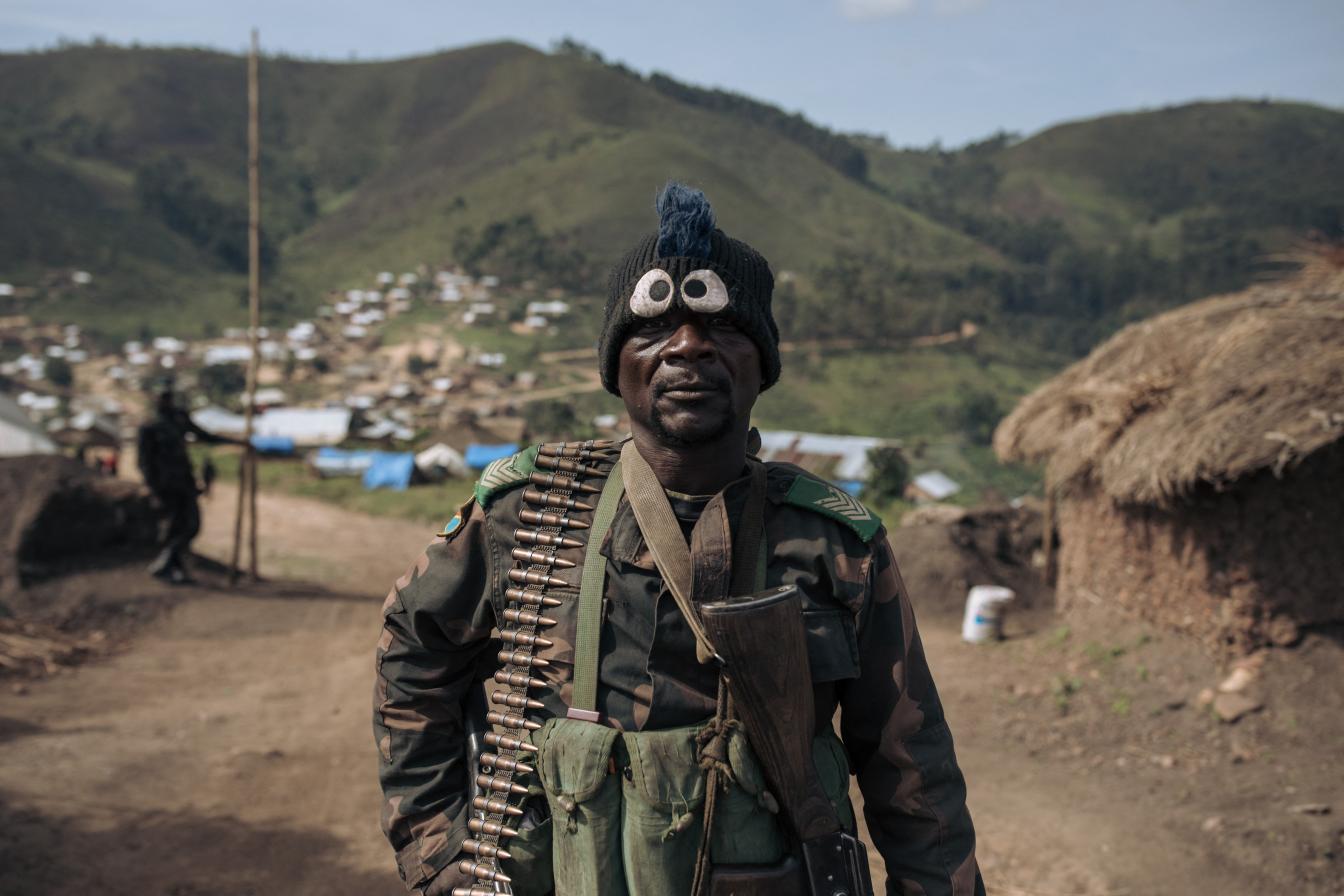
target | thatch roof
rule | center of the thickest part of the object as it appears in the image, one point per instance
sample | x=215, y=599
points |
x=1207, y=393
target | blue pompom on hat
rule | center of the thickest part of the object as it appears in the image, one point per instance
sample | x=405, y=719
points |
x=688, y=240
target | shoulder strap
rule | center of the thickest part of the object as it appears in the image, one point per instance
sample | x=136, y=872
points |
x=663, y=535
x=587, y=641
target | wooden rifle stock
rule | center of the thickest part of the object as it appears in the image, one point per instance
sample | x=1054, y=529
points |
x=763, y=646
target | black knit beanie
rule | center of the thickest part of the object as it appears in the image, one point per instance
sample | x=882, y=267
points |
x=689, y=261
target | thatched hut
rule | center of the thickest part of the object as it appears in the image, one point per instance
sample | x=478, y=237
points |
x=1195, y=462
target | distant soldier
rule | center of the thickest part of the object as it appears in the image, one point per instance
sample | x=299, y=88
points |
x=207, y=475
x=161, y=452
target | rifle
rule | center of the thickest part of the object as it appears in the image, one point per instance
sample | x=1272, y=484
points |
x=762, y=643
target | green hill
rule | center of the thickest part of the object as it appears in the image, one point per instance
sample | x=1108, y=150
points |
x=130, y=163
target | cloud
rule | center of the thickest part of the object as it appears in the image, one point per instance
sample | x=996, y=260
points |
x=874, y=9
x=880, y=9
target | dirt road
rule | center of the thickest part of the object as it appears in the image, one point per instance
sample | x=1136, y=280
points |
x=226, y=749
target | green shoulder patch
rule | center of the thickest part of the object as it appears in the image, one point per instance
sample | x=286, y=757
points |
x=503, y=474
x=826, y=499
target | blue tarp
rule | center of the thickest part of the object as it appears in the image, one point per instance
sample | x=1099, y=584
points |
x=390, y=470
x=480, y=456
x=340, y=462
x=282, y=445
x=849, y=486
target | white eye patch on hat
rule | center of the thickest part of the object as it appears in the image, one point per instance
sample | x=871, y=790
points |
x=702, y=291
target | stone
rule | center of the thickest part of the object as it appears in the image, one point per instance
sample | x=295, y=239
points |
x=20, y=689
x=1231, y=707
x=1310, y=809
x=1237, y=682
x=1212, y=823
x=1205, y=697
x=1283, y=631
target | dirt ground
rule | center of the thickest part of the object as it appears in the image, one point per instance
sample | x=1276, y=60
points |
x=217, y=741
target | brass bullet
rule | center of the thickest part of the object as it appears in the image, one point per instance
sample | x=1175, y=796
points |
x=491, y=828
x=528, y=577
x=511, y=720
x=482, y=871
x=508, y=742
x=521, y=658
x=495, y=805
x=486, y=850
x=504, y=763
x=527, y=617
x=535, y=536
x=518, y=679
x=547, y=499
x=563, y=483
x=546, y=518
x=532, y=598
x=542, y=558
x=524, y=639
x=517, y=701
x=490, y=782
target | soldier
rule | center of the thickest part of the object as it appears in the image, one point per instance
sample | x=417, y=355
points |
x=161, y=453
x=613, y=764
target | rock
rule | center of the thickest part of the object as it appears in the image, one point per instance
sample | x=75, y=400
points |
x=1310, y=809
x=1165, y=761
x=1212, y=823
x=1231, y=707
x=1283, y=632
x=1237, y=681
x=20, y=689
x=1205, y=697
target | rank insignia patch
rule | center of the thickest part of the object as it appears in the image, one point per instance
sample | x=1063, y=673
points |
x=505, y=473
x=828, y=500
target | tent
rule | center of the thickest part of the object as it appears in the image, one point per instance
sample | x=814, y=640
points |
x=340, y=462
x=438, y=461
x=390, y=470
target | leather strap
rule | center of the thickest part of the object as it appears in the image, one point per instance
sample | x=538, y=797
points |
x=587, y=641
x=662, y=533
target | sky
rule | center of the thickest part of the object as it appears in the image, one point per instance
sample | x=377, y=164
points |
x=913, y=71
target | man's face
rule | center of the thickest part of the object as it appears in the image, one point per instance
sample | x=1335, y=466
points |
x=689, y=378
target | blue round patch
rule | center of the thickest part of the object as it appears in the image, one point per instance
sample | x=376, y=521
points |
x=453, y=525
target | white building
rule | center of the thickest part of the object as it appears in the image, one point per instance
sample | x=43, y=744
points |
x=18, y=433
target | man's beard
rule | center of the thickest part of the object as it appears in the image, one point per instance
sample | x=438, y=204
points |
x=714, y=431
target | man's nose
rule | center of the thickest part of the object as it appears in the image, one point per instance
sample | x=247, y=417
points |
x=690, y=341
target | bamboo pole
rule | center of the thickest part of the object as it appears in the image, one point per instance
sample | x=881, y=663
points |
x=247, y=478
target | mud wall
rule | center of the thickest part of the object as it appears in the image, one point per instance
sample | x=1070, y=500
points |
x=1238, y=568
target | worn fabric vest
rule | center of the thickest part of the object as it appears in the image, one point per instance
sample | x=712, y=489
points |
x=626, y=807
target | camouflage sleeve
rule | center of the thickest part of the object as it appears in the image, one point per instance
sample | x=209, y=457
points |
x=436, y=623
x=900, y=748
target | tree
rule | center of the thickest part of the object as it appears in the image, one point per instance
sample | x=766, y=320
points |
x=60, y=373
x=977, y=413
x=890, y=473
x=223, y=383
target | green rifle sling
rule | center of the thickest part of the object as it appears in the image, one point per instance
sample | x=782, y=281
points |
x=591, y=585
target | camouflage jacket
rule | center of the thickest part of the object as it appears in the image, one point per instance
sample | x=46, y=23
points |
x=864, y=650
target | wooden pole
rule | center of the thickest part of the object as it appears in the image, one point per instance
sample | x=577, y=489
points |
x=247, y=471
x=254, y=279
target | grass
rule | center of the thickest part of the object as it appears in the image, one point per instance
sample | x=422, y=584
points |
x=432, y=504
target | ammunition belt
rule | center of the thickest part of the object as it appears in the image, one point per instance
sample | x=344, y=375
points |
x=575, y=472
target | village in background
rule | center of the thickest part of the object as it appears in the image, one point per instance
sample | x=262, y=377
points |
x=383, y=385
